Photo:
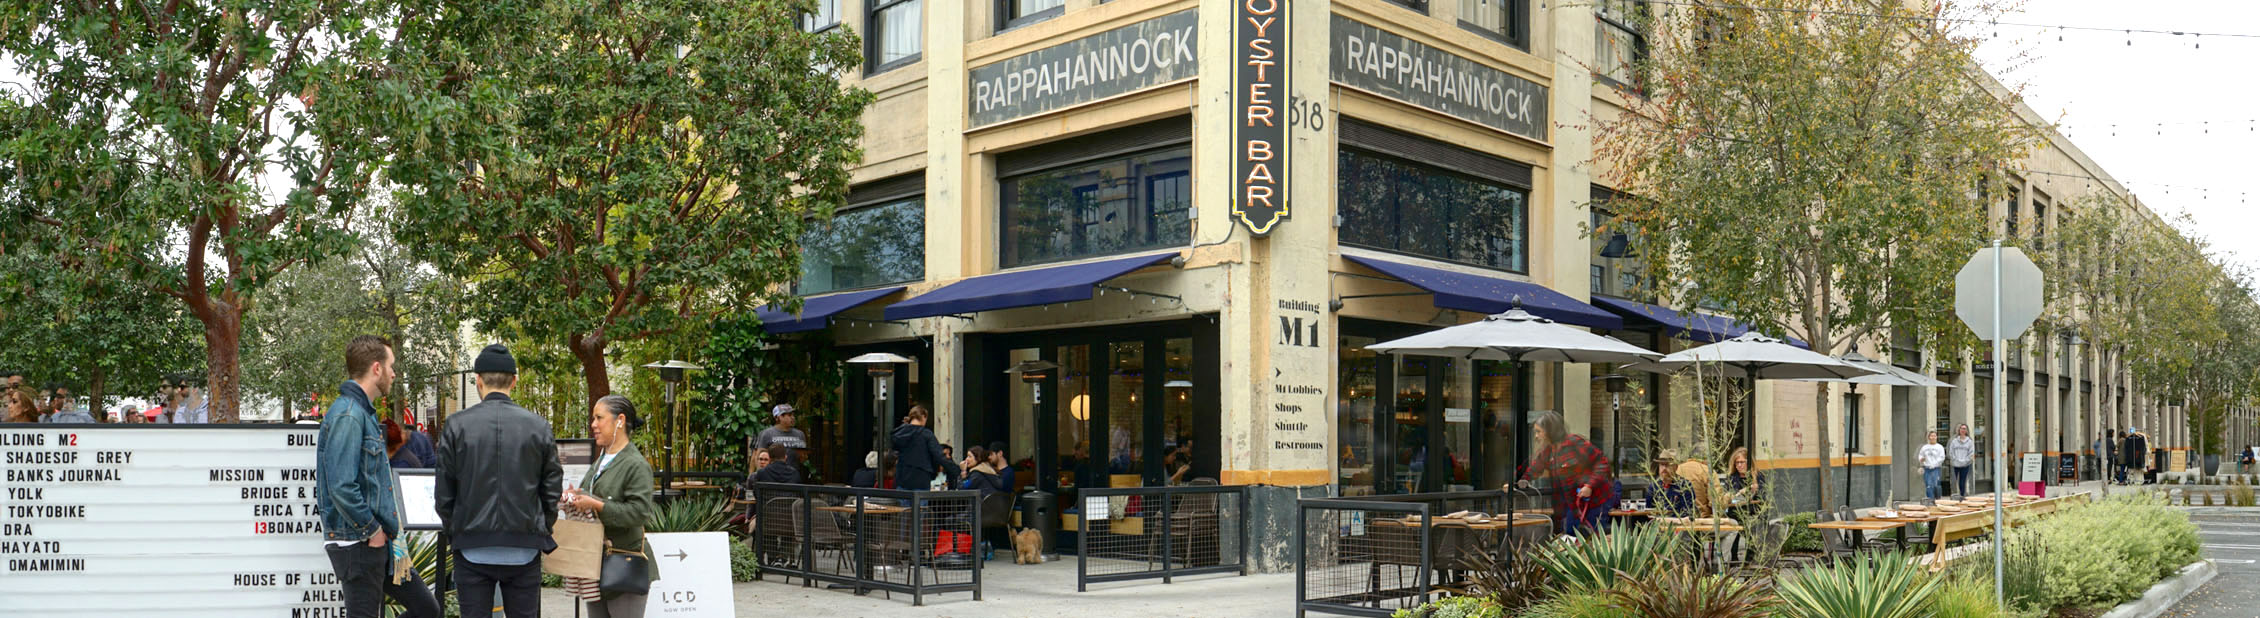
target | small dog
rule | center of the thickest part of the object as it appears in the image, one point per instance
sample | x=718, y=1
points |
x=1028, y=546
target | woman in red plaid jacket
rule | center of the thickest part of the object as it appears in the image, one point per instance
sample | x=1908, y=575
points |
x=1575, y=472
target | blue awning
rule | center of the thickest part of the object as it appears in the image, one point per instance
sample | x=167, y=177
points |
x=816, y=311
x=1022, y=288
x=1489, y=295
x=1696, y=326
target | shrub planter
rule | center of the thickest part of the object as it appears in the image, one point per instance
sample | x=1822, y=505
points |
x=2163, y=595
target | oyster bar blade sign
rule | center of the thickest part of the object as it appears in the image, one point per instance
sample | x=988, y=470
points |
x=1259, y=126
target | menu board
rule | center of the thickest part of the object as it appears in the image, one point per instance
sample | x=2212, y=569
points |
x=162, y=520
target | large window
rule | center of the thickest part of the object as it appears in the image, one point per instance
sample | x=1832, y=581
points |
x=1620, y=40
x=825, y=17
x=1016, y=13
x=1105, y=207
x=865, y=246
x=1396, y=205
x=895, y=30
x=1505, y=20
x=1614, y=276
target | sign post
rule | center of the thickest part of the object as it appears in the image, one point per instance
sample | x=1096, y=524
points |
x=1998, y=295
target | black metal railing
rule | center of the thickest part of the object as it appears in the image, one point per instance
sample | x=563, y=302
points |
x=1373, y=555
x=919, y=543
x=1148, y=532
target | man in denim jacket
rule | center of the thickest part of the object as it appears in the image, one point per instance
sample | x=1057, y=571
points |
x=353, y=486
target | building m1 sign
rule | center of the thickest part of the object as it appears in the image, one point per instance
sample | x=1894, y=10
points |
x=1259, y=124
x=162, y=520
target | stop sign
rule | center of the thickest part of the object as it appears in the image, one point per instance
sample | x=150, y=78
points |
x=2020, y=289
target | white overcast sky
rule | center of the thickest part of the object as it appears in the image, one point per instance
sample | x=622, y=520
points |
x=2090, y=81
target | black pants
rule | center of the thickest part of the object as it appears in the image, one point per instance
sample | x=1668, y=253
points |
x=521, y=588
x=364, y=579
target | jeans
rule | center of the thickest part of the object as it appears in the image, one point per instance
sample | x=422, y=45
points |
x=521, y=588
x=1961, y=480
x=623, y=606
x=364, y=579
x=1930, y=482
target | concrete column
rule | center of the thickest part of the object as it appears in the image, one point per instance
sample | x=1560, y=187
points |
x=946, y=202
x=1559, y=206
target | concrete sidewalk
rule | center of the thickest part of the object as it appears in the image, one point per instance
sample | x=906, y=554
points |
x=1017, y=591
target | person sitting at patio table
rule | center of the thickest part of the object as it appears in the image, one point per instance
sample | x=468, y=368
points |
x=1745, y=488
x=1575, y=472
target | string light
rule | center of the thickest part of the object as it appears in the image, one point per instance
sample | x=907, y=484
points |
x=1994, y=22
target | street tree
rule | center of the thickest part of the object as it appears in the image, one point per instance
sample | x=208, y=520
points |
x=200, y=149
x=628, y=172
x=1810, y=168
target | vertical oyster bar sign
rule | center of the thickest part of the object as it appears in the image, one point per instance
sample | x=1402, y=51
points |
x=1259, y=124
x=199, y=520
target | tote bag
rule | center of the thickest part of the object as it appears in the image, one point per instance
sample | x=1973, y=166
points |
x=580, y=549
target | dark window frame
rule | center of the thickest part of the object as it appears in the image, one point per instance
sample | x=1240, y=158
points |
x=810, y=27
x=1006, y=21
x=1517, y=34
x=1396, y=213
x=874, y=37
x=1639, y=47
x=1004, y=209
x=871, y=196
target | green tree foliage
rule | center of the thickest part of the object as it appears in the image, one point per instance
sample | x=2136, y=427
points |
x=745, y=375
x=102, y=337
x=1808, y=171
x=617, y=173
x=199, y=149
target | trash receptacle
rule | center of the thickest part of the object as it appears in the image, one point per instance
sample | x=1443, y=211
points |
x=1036, y=512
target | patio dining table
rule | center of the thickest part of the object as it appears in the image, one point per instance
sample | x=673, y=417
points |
x=1898, y=527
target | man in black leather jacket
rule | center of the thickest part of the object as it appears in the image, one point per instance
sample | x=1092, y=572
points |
x=497, y=486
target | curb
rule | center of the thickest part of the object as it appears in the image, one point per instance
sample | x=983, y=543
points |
x=2165, y=594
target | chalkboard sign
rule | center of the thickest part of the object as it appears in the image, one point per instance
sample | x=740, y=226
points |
x=2068, y=467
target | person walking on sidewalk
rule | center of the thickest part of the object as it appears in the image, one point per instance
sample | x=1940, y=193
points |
x=497, y=488
x=1933, y=458
x=353, y=485
x=617, y=492
x=1961, y=453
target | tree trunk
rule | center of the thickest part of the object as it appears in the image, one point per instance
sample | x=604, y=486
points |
x=223, y=333
x=1820, y=417
x=590, y=350
x=97, y=381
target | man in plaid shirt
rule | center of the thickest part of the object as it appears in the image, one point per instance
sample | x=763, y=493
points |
x=1576, y=473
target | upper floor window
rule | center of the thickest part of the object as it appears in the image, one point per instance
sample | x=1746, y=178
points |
x=1113, y=205
x=864, y=246
x=1505, y=20
x=2011, y=207
x=1419, y=6
x=896, y=28
x=825, y=17
x=1016, y=13
x=1613, y=274
x=1620, y=40
x=1398, y=205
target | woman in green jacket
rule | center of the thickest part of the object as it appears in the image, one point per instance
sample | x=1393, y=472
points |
x=617, y=493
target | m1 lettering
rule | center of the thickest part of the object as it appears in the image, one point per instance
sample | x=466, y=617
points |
x=1293, y=332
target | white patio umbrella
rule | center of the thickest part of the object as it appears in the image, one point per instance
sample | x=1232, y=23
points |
x=1886, y=374
x=1517, y=337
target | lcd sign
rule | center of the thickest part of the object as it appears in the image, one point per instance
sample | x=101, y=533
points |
x=1259, y=128
x=1143, y=55
x=1369, y=59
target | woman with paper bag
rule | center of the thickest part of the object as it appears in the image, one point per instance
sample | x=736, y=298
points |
x=616, y=495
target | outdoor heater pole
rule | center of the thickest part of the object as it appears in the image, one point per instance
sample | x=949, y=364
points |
x=2000, y=394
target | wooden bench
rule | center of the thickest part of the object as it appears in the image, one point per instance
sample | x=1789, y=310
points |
x=1945, y=531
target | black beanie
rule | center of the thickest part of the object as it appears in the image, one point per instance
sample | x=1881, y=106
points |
x=495, y=359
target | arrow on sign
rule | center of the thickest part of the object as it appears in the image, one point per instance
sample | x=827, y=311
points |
x=679, y=555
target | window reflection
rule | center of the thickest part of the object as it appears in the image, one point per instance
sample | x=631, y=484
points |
x=865, y=247
x=1102, y=208
x=1396, y=205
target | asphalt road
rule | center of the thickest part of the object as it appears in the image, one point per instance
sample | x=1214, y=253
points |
x=2231, y=540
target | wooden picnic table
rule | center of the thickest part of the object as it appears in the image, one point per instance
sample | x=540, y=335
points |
x=1899, y=528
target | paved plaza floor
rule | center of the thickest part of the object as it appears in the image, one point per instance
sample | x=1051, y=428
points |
x=1017, y=591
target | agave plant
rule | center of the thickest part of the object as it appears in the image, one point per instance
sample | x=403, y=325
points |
x=1594, y=563
x=1885, y=585
x=1683, y=593
x=1510, y=586
x=687, y=514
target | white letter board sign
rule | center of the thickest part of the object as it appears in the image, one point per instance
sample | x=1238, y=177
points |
x=176, y=521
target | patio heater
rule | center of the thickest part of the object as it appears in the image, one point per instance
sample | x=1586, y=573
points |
x=670, y=373
x=1617, y=384
x=881, y=367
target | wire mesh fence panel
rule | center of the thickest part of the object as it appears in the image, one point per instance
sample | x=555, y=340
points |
x=1362, y=558
x=870, y=539
x=1160, y=532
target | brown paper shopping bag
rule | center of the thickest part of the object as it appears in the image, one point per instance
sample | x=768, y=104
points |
x=580, y=549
